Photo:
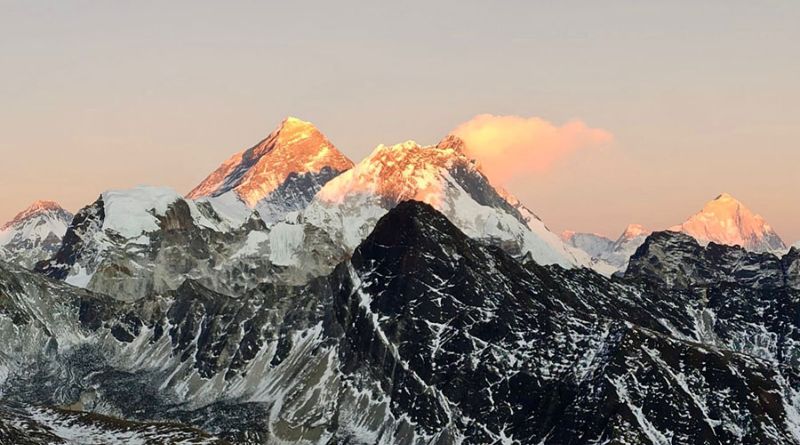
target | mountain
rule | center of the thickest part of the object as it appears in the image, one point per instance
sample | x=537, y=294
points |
x=442, y=175
x=425, y=335
x=627, y=243
x=130, y=243
x=34, y=234
x=280, y=174
x=608, y=256
x=679, y=261
x=725, y=220
x=593, y=244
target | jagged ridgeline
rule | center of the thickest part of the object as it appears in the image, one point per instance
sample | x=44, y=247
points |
x=421, y=335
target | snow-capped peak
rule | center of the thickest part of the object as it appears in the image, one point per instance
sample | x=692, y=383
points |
x=633, y=231
x=443, y=176
x=725, y=220
x=295, y=147
x=397, y=172
x=34, y=233
x=35, y=209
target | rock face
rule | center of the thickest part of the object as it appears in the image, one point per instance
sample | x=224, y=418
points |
x=279, y=174
x=427, y=336
x=34, y=234
x=679, y=261
x=727, y=221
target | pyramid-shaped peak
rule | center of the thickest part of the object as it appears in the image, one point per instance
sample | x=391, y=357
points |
x=725, y=205
x=38, y=208
x=295, y=147
x=725, y=220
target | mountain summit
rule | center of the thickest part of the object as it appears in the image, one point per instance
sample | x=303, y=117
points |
x=290, y=165
x=725, y=220
x=35, y=233
x=444, y=177
x=37, y=208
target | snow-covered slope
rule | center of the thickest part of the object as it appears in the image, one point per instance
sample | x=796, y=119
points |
x=278, y=175
x=608, y=256
x=626, y=245
x=725, y=220
x=441, y=175
x=592, y=243
x=34, y=234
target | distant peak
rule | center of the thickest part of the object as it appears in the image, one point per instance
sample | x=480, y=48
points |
x=44, y=205
x=634, y=230
x=36, y=208
x=725, y=220
x=567, y=235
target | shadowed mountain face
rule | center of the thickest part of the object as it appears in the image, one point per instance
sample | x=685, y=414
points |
x=427, y=336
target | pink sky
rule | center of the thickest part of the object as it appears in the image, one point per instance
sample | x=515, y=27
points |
x=697, y=98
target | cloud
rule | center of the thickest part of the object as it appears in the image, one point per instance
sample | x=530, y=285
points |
x=509, y=147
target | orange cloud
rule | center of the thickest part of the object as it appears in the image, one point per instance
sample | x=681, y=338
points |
x=511, y=146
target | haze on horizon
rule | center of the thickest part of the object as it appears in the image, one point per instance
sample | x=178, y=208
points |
x=623, y=112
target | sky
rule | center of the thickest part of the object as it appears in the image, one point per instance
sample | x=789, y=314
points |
x=627, y=111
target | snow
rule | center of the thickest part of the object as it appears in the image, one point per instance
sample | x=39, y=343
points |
x=229, y=208
x=285, y=243
x=80, y=277
x=75, y=430
x=252, y=245
x=132, y=212
x=36, y=228
x=607, y=259
x=349, y=206
x=655, y=436
x=725, y=220
x=34, y=234
x=252, y=175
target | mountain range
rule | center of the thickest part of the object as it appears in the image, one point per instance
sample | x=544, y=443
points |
x=296, y=297
x=723, y=220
